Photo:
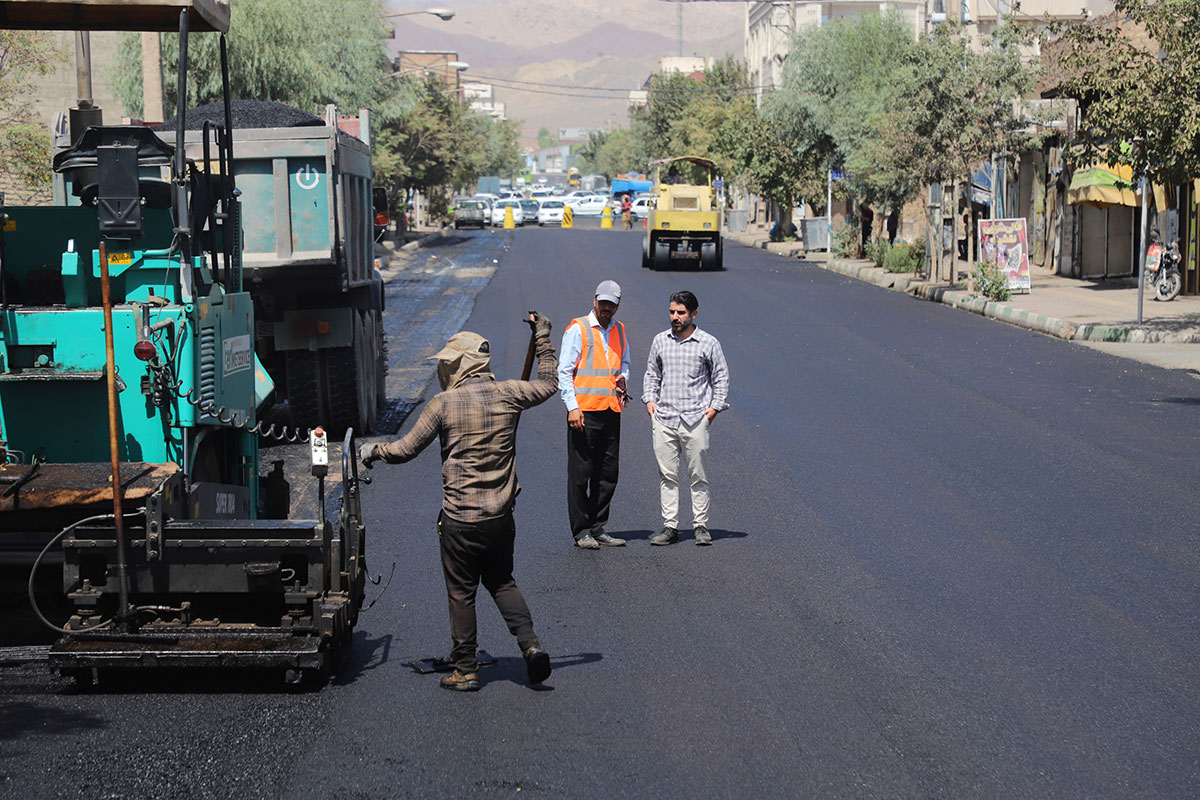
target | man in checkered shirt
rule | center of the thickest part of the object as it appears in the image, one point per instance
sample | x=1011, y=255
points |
x=685, y=387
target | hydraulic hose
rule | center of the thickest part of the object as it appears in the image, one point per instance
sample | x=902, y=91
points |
x=38, y=561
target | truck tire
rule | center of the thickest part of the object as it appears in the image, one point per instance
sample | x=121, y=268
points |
x=645, y=254
x=368, y=364
x=708, y=256
x=342, y=374
x=305, y=389
x=662, y=256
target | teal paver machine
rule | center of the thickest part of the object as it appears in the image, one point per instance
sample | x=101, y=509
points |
x=129, y=400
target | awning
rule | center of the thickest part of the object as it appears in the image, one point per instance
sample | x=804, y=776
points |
x=1111, y=185
x=1103, y=186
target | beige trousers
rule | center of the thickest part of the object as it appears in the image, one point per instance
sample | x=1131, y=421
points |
x=692, y=442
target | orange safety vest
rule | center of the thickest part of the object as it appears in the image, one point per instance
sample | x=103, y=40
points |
x=596, y=378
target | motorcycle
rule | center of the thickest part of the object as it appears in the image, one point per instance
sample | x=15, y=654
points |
x=1162, y=270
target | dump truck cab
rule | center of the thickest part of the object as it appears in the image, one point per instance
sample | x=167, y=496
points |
x=683, y=228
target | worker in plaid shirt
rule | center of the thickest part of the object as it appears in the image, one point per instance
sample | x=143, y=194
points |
x=475, y=417
x=685, y=387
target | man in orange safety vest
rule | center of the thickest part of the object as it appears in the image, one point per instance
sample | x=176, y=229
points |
x=592, y=377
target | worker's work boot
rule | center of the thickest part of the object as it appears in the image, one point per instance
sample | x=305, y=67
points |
x=665, y=536
x=537, y=664
x=461, y=681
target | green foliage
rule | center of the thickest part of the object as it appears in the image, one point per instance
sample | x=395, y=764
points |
x=546, y=139
x=624, y=150
x=877, y=250
x=24, y=140
x=991, y=283
x=1139, y=105
x=904, y=257
x=305, y=53
x=954, y=103
x=586, y=158
x=846, y=240
x=438, y=142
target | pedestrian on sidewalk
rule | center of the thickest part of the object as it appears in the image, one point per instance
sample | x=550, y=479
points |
x=476, y=418
x=592, y=379
x=685, y=387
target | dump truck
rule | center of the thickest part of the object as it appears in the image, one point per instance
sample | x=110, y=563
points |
x=683, y=228
x=308, y=257
x=130, y=395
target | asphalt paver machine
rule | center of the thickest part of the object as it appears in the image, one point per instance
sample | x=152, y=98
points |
x=129, y=401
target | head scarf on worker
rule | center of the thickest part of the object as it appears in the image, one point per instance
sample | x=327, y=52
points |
x=466, y=355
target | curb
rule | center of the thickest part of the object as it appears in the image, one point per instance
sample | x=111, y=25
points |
x=1004, y=312
x=417, y=243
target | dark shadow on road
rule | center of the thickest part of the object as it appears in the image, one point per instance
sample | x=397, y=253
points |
x=20, y=719
x=513, y=669
x=1180, y=401
x=685, y=534
x=366, y=654
x=633, y=535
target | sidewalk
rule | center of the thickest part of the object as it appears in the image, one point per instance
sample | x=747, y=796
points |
x=1101, y=314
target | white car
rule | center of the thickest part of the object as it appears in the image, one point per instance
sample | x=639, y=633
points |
x=498, y=212
x=551, y=212
x=591, y=205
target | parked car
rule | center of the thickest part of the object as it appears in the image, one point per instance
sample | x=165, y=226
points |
x=498, y=212
x=542, y=191
x=470, y=212
x=488, y=200
x=529, y=210
x=641, y=207
x=591, y=205
x=551, y=212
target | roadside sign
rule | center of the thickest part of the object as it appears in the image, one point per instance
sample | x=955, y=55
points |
x=1005, y=243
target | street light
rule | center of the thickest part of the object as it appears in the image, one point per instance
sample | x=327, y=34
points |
x=444, y=14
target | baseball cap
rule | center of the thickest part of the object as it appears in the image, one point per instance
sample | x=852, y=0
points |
x=610, y=291
x=462, y=343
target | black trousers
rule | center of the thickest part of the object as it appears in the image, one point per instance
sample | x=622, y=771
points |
x=474, y=553
x=593, y=456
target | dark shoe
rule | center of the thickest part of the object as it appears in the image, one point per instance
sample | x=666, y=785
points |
x=461, y=681
x=587, y=542
x=665, y=536
x=608, y=541
x=703, y=537
x=537, y=664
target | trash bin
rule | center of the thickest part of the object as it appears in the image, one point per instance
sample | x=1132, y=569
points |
x=737, y=219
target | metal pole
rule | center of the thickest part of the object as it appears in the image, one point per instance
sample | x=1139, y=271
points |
x=1142, y=260
x=113, y=433
x=679, y=23
x=829, y=213
x=83, y=69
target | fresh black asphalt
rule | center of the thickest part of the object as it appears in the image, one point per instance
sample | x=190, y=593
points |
x=952, y=559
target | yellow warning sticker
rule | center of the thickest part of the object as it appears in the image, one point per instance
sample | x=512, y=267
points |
x=10, y=225
x=120, y=259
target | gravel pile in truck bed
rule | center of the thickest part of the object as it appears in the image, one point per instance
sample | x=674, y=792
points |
x=247, y=114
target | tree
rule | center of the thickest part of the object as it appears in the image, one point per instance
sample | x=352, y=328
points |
x=953, y=104
x=586, y=157
x=671, y=95
x=24, y=140
x=1139, y=105
x=839, y=82
x=305, y=53
x=623, y=151
x=546, y=139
